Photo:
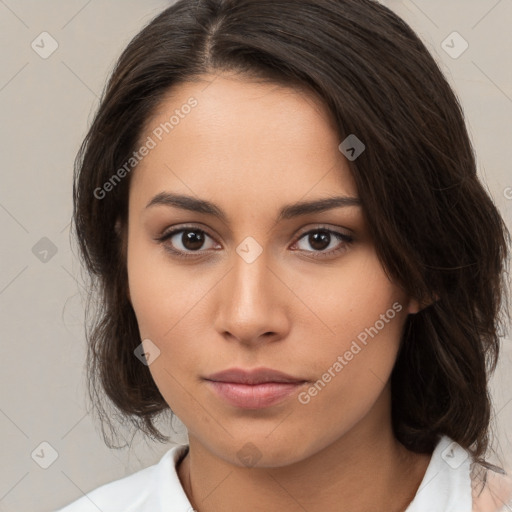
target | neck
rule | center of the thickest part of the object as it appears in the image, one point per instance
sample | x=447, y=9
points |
x=364, y=470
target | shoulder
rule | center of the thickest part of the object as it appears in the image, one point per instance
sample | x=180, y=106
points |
x=123, y=494
x=136, y=492
x=491, y=489
x=455, y=482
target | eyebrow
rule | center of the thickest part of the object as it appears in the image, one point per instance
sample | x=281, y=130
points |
x=290, y=211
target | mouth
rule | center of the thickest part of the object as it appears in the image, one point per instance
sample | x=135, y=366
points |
x=253, y=389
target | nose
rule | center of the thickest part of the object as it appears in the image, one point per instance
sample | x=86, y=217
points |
x=253, y=303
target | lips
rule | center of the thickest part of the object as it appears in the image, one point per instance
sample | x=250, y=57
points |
x=253, y=389
x=256, y=376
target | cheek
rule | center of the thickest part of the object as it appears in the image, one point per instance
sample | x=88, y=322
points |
x=354, y=297
x=161, y=302
x=167, y=302
x=161, y=293
x=365, y=313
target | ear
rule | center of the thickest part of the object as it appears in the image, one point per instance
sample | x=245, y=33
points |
x=415, y=306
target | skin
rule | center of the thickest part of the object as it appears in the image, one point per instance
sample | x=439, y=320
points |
x=252, y=148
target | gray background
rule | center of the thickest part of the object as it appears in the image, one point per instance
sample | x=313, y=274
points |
x=47, y=104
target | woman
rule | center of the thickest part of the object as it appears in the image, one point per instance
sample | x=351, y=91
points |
x=278, y=202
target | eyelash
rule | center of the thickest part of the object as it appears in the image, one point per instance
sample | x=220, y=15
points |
x=342, y=237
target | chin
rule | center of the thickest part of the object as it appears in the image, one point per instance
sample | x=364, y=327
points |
x=261, y=450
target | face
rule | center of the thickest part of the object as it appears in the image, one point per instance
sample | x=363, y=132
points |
x=247, y=281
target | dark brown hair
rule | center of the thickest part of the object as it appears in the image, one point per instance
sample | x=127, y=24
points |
x=435, y=228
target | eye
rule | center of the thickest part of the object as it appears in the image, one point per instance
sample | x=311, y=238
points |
x=324, y=242
x=186, y=241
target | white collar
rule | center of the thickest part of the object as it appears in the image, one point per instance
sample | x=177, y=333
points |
x=446, y=485
x=169, y=491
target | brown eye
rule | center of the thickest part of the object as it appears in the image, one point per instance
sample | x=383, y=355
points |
x=323, y=242
x=192, y=239
x=186, y=241
x=319, y=240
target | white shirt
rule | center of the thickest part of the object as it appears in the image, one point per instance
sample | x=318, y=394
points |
x=452, y=483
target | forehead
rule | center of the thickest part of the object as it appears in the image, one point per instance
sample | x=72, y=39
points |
x=244, y=140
